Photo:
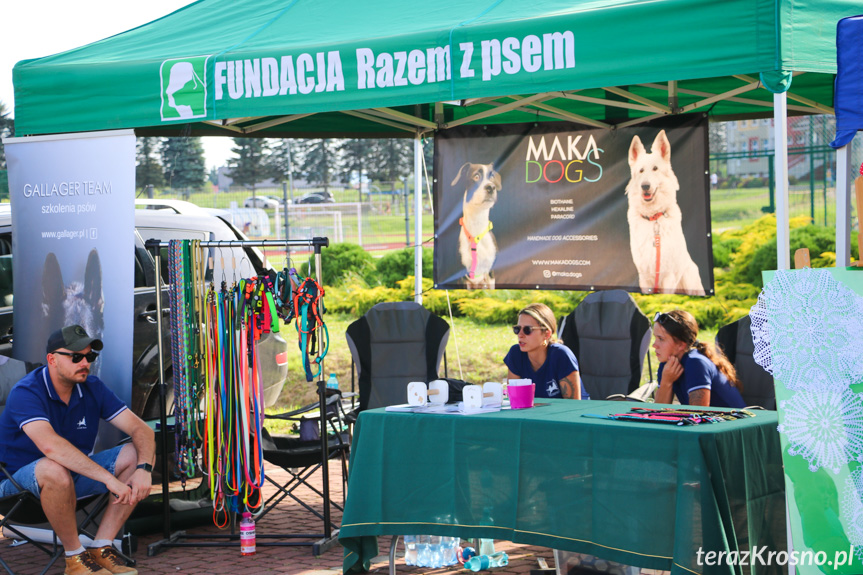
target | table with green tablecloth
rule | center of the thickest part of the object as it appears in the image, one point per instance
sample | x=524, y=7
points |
x=644, y=494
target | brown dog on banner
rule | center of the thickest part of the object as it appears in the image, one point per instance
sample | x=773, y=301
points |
x=476, y=244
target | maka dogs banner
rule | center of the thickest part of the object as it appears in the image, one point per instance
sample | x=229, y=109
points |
x=567, y=207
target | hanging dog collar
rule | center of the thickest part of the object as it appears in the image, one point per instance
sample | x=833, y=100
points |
x=656, y=241
x=474, y=242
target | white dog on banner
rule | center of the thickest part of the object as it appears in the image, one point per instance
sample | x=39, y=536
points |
x=655, y=222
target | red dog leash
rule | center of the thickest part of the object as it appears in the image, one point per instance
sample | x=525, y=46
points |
x=474, y=241
x=656, y=242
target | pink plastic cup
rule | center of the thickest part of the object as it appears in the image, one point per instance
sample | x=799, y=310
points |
x=521, y=396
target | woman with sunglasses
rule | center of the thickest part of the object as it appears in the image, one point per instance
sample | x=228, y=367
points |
x=537, y=356
x=695, y=371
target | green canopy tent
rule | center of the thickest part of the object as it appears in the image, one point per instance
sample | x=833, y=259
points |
x=333, y=68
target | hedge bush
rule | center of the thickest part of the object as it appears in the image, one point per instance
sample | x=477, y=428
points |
x=739, y=255
x=396, y=266
x=341, y=259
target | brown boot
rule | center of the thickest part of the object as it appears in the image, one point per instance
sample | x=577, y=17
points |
x=108, y=558
x=83, y=564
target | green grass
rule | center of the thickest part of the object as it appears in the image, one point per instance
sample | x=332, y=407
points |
x=475, y=351
x=736, y=208
x=478, y=348
x=475, y=354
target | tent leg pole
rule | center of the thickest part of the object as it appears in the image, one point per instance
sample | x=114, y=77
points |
x=418, y=219
x=780, y=145
x=843, y=209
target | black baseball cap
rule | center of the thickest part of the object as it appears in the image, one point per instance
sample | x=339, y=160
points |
x=73, y=338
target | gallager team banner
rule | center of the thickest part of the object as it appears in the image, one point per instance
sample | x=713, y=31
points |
x=562, y=206
x=73, y=225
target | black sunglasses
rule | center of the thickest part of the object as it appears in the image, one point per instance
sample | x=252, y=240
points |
x=663, y=318
x=528, y=329
x=77, y=357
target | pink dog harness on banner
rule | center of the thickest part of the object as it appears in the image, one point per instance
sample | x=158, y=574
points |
x=655, y=219
x=474, y=241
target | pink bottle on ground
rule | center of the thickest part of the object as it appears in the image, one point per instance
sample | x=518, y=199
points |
x=247, y=534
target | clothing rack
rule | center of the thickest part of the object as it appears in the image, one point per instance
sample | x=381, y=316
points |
x=174, y=539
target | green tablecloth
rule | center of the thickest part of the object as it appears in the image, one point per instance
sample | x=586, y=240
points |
x=642, y=494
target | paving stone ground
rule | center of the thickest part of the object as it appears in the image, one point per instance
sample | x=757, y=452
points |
x=287, y=517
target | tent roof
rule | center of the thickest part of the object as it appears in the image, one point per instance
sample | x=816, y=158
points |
x=365, y=66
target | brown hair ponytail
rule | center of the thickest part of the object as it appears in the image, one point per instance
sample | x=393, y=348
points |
x=718, y=358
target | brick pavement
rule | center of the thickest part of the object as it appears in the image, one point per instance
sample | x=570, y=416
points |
x=285, y=518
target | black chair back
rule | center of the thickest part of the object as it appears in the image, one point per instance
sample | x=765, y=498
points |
x=609, y=336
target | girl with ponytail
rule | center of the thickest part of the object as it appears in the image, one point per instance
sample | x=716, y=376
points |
x=694, y=371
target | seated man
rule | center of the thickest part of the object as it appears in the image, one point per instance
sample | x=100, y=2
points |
x=47, y=435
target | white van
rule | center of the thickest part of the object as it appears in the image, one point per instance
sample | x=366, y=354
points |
x=162, y=220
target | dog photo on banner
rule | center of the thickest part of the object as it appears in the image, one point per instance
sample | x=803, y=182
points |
x=563, y=206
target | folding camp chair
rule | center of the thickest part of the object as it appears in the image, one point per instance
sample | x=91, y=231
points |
x=609, y=336
x=301, y=458
x=23, y=509
x=735, y=340
x=393, y=344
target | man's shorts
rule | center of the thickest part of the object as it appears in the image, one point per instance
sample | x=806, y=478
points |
x=84, y=486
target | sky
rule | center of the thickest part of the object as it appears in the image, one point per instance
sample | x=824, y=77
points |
x=37, y=28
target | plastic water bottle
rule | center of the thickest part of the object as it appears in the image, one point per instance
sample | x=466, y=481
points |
x=482, y=562
x=486, y=547
x=410, y=549
x=423, y=552
x=435, y=555
x=247, y=534
x=449, y=545
x=463, y=555
x=332, y=382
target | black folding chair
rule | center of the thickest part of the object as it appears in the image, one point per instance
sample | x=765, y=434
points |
x=735, y=340
x=393, y=344
x=301, y=458
x=24, y=509
x=609, y=336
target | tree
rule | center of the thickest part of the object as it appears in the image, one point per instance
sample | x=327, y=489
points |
x=183, y=161
x=7, y=128
x=355, y=158
x=282, y=158
x=148, y=169
x=718, y=137
x=390, y=159
x=250, y=166
x=319, y=161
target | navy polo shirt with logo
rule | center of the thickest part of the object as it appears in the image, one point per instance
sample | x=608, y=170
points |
x=35, y=399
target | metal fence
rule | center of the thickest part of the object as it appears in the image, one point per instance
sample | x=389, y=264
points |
x=742, y=177
x=379, y=217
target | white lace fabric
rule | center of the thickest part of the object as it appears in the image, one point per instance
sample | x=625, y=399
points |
x=852, y=510
x=824, y=427
x=808, y=330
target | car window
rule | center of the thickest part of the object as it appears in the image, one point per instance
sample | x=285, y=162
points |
x=140, y=276
x=5, y=269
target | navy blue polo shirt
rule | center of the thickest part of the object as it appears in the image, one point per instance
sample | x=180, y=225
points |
x=35, y=399
x=701, y=373
x=559, y=363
